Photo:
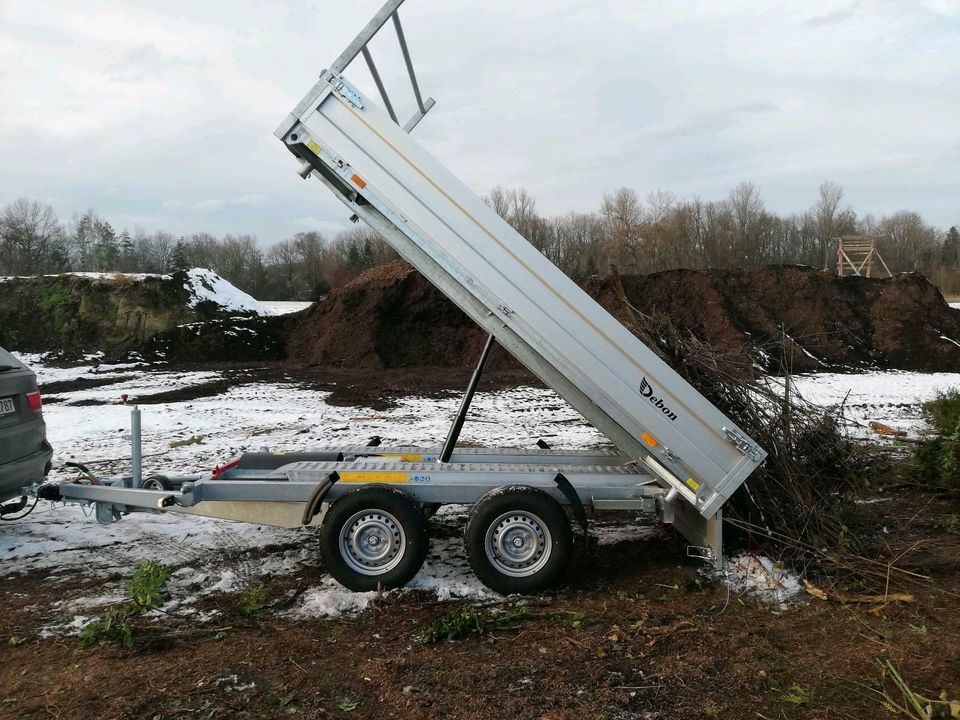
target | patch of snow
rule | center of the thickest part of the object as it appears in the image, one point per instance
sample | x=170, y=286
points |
x=284, y=307
x=891, y=397
x=760, y=577
x=206, y=286
x=331, y=599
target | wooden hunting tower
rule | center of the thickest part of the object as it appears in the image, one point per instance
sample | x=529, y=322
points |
x=856, y=255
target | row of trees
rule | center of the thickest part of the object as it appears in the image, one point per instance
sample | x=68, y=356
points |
x=632, y=233
x=663, y=231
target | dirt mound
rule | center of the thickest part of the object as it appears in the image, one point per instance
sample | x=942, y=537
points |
x=814, y=320
x=77, y=312
x=388, y=317
x=391, y=317
x=234, y=339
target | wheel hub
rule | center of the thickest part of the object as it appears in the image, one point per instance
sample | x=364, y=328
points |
x=372, y=542
x=518, y=543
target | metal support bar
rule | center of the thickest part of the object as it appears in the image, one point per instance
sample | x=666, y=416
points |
x=136, y=445
x=457, y=426
x=415, y=120
x=376, y=78
x=408, y=61
x=360, y=41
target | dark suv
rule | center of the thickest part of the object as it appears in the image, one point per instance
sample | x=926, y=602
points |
x=24, y=451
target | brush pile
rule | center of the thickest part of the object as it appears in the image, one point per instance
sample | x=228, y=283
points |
x=795, y=499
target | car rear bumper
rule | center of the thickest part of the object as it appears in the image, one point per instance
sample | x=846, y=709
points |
x=30, y=469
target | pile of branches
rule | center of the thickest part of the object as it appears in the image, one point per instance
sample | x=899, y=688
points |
x=795, y=500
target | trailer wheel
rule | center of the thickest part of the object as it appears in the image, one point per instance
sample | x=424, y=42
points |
x=156, y=482
x=518, y=540
x=374, y=536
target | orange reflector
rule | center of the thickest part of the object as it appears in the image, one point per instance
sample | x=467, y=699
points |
x=649, y=439
x=361, y=183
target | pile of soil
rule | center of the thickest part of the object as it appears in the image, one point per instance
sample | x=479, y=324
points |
x=391, y=317
x=799, y=317
x=388, y=317
x=73, y=313
x=233, y=339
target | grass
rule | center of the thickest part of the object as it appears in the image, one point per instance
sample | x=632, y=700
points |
x=901, y=699
x=253, y=600
x=146, y=589
x=937, y=461
x=469, y=621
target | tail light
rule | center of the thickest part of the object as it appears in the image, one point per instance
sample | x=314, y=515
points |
x=34, y=401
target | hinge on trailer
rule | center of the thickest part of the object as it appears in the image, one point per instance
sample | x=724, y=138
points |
x=345, y=90
x=742, y=444
x=700, y=552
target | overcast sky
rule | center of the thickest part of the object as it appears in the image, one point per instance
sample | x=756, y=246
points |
x=161, y=114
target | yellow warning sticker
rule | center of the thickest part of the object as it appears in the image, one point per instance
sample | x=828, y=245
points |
x=694, y=485
x=313, y=146
x=373, y=477
x=405, y=457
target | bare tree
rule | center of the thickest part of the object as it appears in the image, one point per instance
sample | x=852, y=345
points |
x=30, y=237
x=622, y=216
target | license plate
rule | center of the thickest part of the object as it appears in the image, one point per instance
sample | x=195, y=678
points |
x=6, y=406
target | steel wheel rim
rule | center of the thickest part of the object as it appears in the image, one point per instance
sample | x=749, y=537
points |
x=518, y=544
x=372, y=542
x=152, y=484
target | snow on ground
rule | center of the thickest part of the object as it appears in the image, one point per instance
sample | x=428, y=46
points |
x=210, y=556
x=284, y=307
x=206, y=285
x=47, y=374
x=891, y=397
x=762, y=578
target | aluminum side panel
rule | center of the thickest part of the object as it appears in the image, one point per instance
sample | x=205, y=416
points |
x=528, y=294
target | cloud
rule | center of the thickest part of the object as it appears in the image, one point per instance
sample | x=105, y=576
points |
x=329, y=228
x=836, y=16
x=161, y=114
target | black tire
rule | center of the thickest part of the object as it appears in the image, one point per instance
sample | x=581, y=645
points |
x=156, y=482
x=534, y=518
x=379, y=513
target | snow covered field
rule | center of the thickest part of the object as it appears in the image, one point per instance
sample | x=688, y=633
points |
x=285, y=307
x=91, y=426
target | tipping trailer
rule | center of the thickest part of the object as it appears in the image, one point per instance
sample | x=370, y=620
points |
x=678, y=457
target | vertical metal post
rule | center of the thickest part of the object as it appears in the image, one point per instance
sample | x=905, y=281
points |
x=409, y=63
x=136, y=458
x=457, y=426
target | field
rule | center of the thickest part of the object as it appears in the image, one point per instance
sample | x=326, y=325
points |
x=253, y=627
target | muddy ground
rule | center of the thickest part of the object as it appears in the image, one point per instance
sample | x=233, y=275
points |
x=636, y=632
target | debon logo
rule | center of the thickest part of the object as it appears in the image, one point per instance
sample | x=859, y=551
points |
x=647, y=391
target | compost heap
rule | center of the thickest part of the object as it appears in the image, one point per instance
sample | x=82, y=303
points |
x=770, y=317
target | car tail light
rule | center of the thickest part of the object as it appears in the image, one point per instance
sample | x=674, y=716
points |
x=34, y=401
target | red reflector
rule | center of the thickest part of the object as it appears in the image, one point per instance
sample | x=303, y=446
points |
x=33, y=400
x=218, y=471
